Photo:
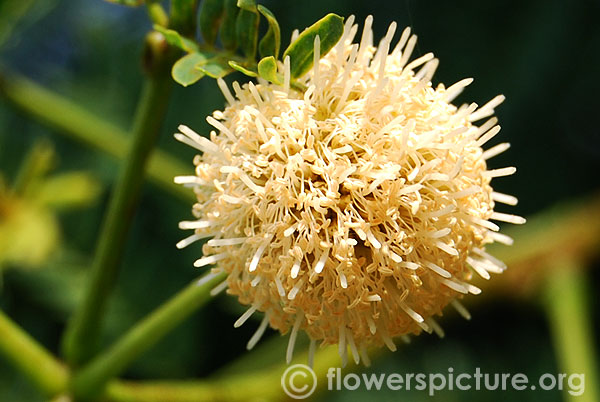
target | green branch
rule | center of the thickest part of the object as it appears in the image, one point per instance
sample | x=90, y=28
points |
x=262, y=384
x=72, y=120
x=567, y=297
x=31, y=358
x=82, y=334
x=91, y=379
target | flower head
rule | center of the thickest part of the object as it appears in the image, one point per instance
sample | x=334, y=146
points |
x=357, y=210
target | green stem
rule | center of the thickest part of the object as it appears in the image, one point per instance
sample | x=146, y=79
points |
x=72, y=120
x=83, y=331
x=90, y=381
x=31, y=358
x=567, y=305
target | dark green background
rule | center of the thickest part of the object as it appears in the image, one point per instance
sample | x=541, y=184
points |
x=542, y=54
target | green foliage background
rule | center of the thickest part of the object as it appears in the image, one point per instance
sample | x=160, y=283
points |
x=543, y=55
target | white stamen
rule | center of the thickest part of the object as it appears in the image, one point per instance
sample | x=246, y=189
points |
x=295, y=269
x=312, y=346
x=219, y=288
x=409, y=265
x=487, y=109
x=436, y=327
x=292, y=342
x=374, y=242
x=486, y=224
x=343, y=280
x=188, y=240
x=487, y=136
x=495, y=150
x=289, y=231
x=244, y=317
x=195, y=224
x=226, y=242
x=466, y=192
x=517, y=220
x=316, y=58
x=412, y=313
x=481, y=271
x=259, y=252
x=295, y=290
x=342, y=349
x=388, y=342
x=372, y=326
x=286, y=74
x=195, y=140
x=455, y=286
x=219, y=126
x=321, y=263
x=501, y=238
x=437, y=269
x=211, y=259
x=364, y=356
x=408, y=50
x=454, y=90
x=439, y=233
x=231, y=199
x=207, y=278
x=279, y=285
x=190, y=180
x=255, y=281
x=259, y=333
x=226, y=92
x=461, y=309
x=504, y=198
x=352, y=345
x=445, y=247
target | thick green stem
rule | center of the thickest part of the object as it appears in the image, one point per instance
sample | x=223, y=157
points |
x=31, y=358
x=567, y=305
x=90, y=381
x=82, y=333
x=72, y=120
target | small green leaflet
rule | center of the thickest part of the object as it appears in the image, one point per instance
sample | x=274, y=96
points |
x=269, y=45
x=185, y=70
x=267, y=69
x=329, y=28
x=174, y=39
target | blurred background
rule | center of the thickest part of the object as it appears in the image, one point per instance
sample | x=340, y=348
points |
x=542, y=54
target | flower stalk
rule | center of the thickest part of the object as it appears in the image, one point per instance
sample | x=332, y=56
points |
x=92, y=378
x=82, y=334
x=23, y=352
x=79, y=124
x=567, y=296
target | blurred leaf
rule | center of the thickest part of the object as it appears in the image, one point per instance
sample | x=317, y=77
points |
x=215, y=68
x=248, y=5
x=267, y=69
x=301, y=51
x=247, y=28
x=183, y=16
x=269, y=45
x=129, y=3
x=242, y=69
x=39, y=160
x=28, y=233
x=185, y=70
x=227, y=30
x=68, y=190
x=175, y=39
x=211, y=13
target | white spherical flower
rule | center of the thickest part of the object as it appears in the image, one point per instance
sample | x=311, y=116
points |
x=357, y=210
